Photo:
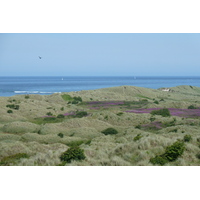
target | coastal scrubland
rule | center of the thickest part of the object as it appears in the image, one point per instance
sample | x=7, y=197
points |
x=118, y=126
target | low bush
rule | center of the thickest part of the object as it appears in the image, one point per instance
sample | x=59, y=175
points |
x=152, y=119
x=9, y=111
x=60, y=116
x=49, y=114
x=13, y=106
x=159, y=160
x=138, y=126
x=120, y=113
x=174, y=151
x=163, y=112
x=174, y=130
x=156, y=102
x=110, y=131
x=61, y=135
x=72, y=100
x=192, y=107
x=171, y=154
x=78, y=99
x=73, y=153
x=137, y=137
x=80, y=114
x=198, y=155
x=187, y=138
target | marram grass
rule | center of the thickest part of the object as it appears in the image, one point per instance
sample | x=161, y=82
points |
x=28, y=137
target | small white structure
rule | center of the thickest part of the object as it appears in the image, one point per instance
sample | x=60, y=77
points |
x=165, y=89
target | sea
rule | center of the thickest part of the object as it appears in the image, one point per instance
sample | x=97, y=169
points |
x=45, y=85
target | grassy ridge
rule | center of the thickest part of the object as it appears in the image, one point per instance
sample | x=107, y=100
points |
x=41, y=128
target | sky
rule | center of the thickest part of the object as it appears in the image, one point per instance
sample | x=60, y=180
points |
x=99, y=54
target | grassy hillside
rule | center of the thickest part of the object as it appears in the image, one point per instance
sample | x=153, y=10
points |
x=111, y=127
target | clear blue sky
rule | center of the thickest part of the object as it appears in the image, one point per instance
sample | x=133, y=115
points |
x=95, y=54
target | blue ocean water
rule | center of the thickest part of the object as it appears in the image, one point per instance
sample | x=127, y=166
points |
x=10, y=86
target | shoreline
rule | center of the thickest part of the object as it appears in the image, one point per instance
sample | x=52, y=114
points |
x=165, y=89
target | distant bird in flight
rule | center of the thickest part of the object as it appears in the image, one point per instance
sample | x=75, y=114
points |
x=40, y=57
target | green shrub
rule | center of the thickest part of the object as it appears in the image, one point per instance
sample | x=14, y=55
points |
x=120, y=113
x=61, y=135
x=159, y=160
x=49, y=114
x=9, y=111
x=156, y=102
x=171, y=154
x=110, y=131
x=163, y=112
x=13, y=106
x=137, y=137
x=171, y=123
x=73, y=153
x=80, y=114
x=174, y=130
x=192, y=107
x=187, y=138
x=62, y=108
x=138, y=126
x=73, y=100
x=27, y=97
x=174, y=151
x=60, y=116
x=198, y=155
x=78, y=99
x=152, y=119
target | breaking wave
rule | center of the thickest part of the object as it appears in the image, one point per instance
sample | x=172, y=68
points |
x=34, y=92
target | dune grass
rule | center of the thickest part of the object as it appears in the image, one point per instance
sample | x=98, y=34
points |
x=112, y=126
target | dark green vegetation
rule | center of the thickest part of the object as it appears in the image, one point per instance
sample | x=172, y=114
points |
x=80, y=114
x=72, y=100
x=13, y=106
x=110, y=131
x=111, y=127
x=192, y=107
x=61, y=135
x=9, y=111
x=172, y=152
x=50, y=118
x=27, y=97
x=187, y=138
x=73, y=153
x=163, y=112
x=137, y=137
